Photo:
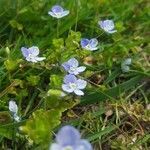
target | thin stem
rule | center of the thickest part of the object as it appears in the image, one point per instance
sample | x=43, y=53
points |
x=100, y=35
x=77, y=14
x=57, y=28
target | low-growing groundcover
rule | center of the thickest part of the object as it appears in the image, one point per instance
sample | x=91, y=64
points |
x=74, y=66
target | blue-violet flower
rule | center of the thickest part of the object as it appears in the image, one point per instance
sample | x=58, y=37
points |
x=72, y=84
x=108, y=26
x=72, y=66
x=89, y=44
x=31, y=54
x=69, y=138
x=58, y=12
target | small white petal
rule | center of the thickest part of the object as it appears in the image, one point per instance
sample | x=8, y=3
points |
x=52, y=14
x=81, y=84
x=31, y=59
x=13, y=107
x=81, y=69
x=73, y=62
x=65, y=13
x=55, y=146
x=66, y=88
x=112, y=31
x=93, y=48
x=75, y=72
x=125, y=68
x=34, y=50
x=128, y=61
x=39, y=58
x=78, y=92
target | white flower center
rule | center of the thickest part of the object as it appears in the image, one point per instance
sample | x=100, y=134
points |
x=68, y=148
x=88, y=46
x=30, y=56
x=73, y=86
x=72, y=68
x=58, y=14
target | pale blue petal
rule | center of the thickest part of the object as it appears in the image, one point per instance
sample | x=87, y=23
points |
x=81, y=84
x=127, y=61
x=66, y=66
x=39, y=58
x=25, y=52
x=55, y=146
x=101, y=24
x=78, y=92
x=58, y=16
x=57, y=9
x=125, y=68
x=34, y=51
x=112, y=31
x=93, y=42
x=75, y=72
x=108, y=26
x=52, y=14
x=84, y=42
x=65, y=13
x=93, y=48
x=70, y=79
x=31, y=59
x=13, y=107
x=68, y=136
x=73, y=62
x=81, y=69
x=84, y=145
x=66, y=88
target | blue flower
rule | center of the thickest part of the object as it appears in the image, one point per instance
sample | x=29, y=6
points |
x=14, y=110
x=125, y=65
x=68, y=138
x=72, y=84
x=89, y=44
x=71, y=66
x=58, y=12
x=108, y=26
x=31, y=54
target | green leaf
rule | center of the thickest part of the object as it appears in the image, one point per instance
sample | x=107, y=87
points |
x=33, y=80
x=54, y=101
x=40, y=126
x=72, y=40
x=55, y=81
x=15, y=24
x=6, y=131
x=11, y=65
